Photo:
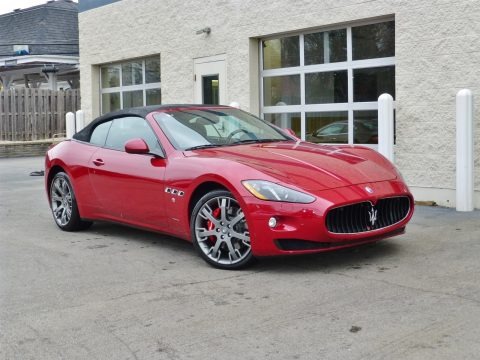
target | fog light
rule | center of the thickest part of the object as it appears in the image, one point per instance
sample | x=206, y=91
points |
x=272, y=222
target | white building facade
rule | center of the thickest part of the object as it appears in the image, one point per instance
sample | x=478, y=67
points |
x=316, y=66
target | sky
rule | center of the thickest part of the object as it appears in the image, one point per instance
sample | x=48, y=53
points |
x=7, y=6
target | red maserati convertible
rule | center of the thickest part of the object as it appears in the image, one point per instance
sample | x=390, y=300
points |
x=231, y=183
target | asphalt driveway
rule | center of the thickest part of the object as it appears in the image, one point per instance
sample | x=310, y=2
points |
x=118, y=293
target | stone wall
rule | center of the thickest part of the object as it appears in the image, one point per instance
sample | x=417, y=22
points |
x=24, y=148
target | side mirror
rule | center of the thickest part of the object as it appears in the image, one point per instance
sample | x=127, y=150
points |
x=291, y=133
x=136, y=146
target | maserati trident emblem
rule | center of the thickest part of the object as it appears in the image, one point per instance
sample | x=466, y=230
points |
x=372, y=216
x=368, y=189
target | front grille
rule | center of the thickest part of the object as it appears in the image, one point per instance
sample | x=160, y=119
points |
x=365, y=216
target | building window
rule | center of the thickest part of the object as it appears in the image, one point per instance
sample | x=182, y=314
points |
x=325, y=84
x=130, y=84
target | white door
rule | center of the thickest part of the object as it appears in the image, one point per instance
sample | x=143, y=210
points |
x=210, y=80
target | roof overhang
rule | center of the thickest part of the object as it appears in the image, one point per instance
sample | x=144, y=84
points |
x=38, y=59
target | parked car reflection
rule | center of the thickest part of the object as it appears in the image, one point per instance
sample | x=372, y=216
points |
x=364, y=132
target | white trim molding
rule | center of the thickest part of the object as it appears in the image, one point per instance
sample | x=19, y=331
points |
x=29, y=59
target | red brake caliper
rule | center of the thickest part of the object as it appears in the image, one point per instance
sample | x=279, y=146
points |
x=211, y=225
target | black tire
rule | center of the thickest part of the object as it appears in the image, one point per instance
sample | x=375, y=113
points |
x=64, y=204
x=223, y=242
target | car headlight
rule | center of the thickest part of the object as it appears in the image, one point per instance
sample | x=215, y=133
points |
x=266, y=190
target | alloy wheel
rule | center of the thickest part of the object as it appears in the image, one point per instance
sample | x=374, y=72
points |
x=61, y=200
x=221, y=231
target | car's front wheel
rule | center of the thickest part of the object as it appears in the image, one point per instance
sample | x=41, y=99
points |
x=220, y=231
x=64, y=204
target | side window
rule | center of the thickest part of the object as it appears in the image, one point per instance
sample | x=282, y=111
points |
x=127, y=128
x=99, y=134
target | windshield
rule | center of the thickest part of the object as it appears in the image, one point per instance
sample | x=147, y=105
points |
x=189, y=129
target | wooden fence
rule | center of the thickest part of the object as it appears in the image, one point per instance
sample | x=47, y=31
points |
x=35, y=114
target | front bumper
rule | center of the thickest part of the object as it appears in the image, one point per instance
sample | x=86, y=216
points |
x=301, y=228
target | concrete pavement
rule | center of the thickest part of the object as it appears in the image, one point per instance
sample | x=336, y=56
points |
x=118, y=293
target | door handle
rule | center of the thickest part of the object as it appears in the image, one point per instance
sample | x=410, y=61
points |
x=98, y=162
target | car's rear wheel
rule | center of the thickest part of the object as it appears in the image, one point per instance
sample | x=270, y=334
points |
x=220, y=231
x=64, y=204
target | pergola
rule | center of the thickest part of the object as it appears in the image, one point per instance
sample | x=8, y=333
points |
x=34, y=70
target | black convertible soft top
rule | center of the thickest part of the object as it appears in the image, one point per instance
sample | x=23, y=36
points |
x=85, y=133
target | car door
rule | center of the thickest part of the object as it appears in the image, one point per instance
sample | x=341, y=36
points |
x=130, y=187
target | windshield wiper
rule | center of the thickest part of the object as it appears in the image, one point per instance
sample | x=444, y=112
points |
x=240, y=142
x=204, y=146
x=257, y=141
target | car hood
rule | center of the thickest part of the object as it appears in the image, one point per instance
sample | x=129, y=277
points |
x=308, y=166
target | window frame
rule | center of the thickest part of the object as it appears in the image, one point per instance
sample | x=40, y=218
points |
x=350, y=65
x=144, y=86
x=106, y=135
x=161, y=151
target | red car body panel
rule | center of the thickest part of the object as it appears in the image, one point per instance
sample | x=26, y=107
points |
x=130, y=188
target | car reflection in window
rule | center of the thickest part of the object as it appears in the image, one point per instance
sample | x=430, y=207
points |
x=364, y=132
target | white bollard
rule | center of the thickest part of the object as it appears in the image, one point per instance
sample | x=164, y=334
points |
x=79, y=120
x=284, y=123
x=385, y=126
x=235, y=104
x=464, y=201
x=70, y=124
